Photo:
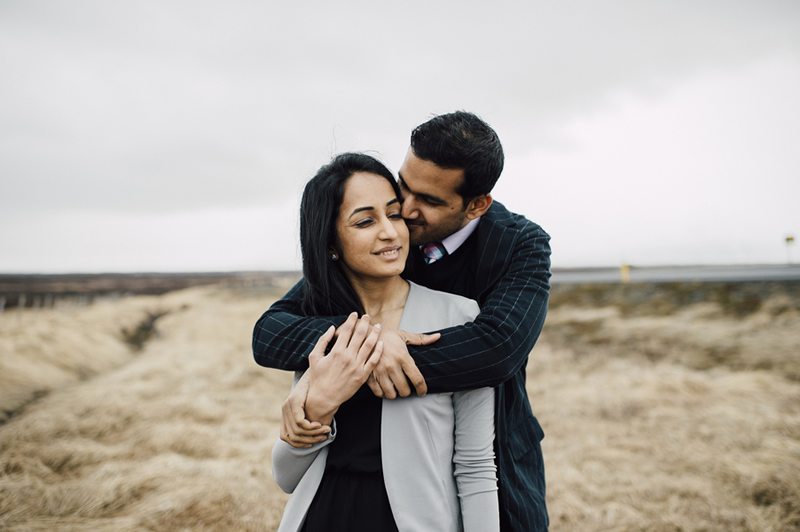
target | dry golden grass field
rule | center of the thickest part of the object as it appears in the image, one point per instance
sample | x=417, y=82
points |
x=685, y=419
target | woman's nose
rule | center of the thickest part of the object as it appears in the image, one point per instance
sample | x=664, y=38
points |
x=388, y=230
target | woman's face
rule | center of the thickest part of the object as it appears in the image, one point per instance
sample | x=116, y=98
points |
x=372, y=236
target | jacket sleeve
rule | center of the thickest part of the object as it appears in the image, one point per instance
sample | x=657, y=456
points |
x=283, y=337
x=473, y=460
x=490, y=350
x=289, y=464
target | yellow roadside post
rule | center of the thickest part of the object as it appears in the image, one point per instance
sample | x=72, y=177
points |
x=625, y=273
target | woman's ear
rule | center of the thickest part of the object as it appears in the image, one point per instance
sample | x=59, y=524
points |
x=478, y=206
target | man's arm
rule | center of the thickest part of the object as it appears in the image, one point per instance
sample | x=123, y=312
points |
x=496, y=345
x=283, y=337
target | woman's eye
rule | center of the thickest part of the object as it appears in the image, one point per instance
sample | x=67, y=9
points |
x=364, y=223
x=396, y=215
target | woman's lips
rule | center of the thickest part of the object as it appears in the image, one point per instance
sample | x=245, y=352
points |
x=390, y=252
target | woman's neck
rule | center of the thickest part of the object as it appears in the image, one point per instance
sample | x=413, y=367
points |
x=383, y=299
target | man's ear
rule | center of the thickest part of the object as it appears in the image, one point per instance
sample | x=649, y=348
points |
x=478, y=206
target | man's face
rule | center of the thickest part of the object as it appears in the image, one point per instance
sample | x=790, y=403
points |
x=432, y=208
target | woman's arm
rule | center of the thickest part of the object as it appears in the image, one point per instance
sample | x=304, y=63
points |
x=473, y=460
x=289, y=464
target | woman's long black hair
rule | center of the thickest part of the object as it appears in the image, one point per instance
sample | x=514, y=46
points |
x=327, y=292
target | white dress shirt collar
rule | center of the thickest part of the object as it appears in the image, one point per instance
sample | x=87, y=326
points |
x=454, y=241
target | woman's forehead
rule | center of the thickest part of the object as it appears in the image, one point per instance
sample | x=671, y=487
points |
x=364, y=187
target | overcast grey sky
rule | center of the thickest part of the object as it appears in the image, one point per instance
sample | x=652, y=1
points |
x=178, y=135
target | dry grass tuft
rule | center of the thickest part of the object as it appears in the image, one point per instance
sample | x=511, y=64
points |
x=43, y=350
x=700, y=336
x=143, y=331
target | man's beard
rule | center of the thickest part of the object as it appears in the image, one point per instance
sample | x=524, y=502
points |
x=423, y=233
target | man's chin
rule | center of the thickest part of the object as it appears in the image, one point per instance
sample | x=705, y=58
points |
x=416, y=235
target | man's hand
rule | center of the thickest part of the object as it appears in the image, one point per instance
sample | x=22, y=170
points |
x=296, y=430
x=396, y=367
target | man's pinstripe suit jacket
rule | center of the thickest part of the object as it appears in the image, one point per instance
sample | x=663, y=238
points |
x=511, y=286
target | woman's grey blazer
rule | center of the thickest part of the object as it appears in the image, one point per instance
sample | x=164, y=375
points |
x=435, y=450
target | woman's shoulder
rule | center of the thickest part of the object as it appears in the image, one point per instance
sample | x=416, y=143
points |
x=441, y=309
x=441, y=299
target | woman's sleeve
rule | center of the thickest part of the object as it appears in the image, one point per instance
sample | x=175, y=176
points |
x=289, y=464
x=473, y=460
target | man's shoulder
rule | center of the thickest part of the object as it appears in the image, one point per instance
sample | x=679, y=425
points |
x=500, y=218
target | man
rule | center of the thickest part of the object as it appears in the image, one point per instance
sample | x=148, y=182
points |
x=469, y=245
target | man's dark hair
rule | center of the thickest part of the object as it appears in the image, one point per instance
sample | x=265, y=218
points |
x=461, y=140
x=327, y=292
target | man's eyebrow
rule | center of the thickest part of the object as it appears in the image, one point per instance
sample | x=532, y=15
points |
x=426, y=197
x=370, y=208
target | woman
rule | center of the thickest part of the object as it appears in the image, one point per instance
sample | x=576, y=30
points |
x=422, y=463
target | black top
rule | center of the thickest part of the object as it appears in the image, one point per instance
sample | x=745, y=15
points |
x=357, y=446
x=352, y=495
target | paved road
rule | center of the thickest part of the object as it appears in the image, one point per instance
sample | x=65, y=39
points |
x=665, y=274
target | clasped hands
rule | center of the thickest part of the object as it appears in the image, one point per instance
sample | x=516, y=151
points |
x=363, y=352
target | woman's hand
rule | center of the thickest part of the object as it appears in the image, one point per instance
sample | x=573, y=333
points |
x=335, y=377
x=296, y=430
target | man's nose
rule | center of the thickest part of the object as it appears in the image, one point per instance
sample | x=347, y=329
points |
x=409, y=210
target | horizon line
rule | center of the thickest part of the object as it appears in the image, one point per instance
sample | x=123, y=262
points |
x=299, y=271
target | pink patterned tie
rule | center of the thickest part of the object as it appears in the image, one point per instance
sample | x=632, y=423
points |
x=433, y=252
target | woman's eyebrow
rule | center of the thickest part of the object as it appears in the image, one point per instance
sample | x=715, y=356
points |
x=370, y=208
x=360, y=209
